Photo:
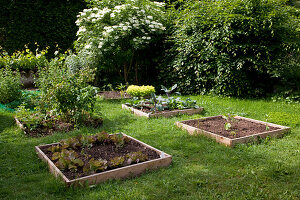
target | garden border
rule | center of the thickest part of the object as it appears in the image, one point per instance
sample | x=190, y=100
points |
x=171, y=113
x=19, y=124
x=231, y=142
x=119, y=173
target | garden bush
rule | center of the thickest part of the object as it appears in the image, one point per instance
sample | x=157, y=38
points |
x=65, y=92
x=140, y=91
x=113, y=35
x=235, y=48
x=24, y=60
x=10, y=85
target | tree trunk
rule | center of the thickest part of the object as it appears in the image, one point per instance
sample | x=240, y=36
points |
x=136, y=73
x=126, y=73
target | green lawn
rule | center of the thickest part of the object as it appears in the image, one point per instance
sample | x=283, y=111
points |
x=201, y=168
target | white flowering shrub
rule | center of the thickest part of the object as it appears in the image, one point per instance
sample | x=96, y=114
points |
x=112, y=33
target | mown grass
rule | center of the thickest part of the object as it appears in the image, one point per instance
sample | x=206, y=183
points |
x=201, y=168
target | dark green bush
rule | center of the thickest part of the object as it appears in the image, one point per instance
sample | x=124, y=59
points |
x=46, y=22
x=10, y=85
x=236, y=48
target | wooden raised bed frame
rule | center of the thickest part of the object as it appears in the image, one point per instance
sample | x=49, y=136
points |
x=119, y=173
x=19, y=124
x=171, y=113
x=231, y=142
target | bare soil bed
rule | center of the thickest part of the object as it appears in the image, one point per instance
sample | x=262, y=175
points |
x=240, y=127
x=45, y=129
x=114, y=95
x=233, y=131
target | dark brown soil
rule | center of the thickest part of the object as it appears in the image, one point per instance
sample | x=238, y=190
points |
x=114, y=95
x=240, y=127
x=106, y=152
x=44, y=129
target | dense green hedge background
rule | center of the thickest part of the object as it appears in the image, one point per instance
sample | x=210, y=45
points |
x=46, y=22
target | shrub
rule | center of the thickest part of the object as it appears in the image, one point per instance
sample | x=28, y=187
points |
x=140, y=91
x=235, y=48
x=46, y=22
x=113, y=34
x=24, y=60
x=65, y=92
x=10, y=85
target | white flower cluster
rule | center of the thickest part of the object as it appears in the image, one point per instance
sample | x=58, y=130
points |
x=130, y=20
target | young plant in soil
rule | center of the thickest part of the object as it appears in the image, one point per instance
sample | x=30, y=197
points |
x=231, y=123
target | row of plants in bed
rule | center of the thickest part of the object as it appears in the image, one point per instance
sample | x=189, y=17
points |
x=147, y=103
x=99, y=157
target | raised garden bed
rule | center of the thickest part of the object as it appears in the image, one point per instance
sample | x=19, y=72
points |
x=166, y=113
x=94, y=159
x=48, y=127
x=113, y=95
x=232, y=131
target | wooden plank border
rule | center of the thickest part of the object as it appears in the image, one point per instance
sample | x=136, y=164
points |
x=119, y=173
x=171, y=113
x=231, y=142
x=19, y=124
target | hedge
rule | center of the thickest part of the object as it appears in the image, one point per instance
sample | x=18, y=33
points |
x=46, y=22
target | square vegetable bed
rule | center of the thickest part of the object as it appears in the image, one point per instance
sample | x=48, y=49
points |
x=165, y=113
x=84, y=159
x=231, y=131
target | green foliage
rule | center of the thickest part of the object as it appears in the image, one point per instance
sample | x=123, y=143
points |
x=117, y=162
x=10, y=85
x=66, y=92
x=140, y=91
x=46, y=22
x=113, y=35
x=102, y=137
x=159, y=103
x=24, y=60
x=168, y=91
x=136, y=157
x=94, y=166
x=235, y=48
x=30, y=119
x=67, y=159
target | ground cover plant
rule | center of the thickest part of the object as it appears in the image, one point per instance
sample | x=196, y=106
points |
x=201, y=168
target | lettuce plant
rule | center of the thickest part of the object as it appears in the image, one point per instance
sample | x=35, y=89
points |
x=117, y=162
